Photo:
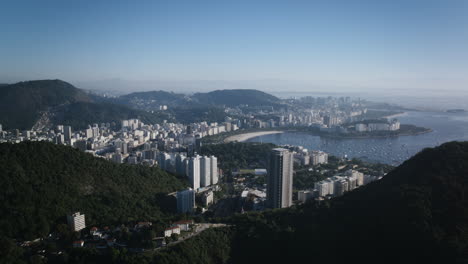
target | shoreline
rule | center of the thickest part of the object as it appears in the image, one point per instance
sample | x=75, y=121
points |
x=249, y=135
x=379, y=136
x=246, y=136
x=396, y=115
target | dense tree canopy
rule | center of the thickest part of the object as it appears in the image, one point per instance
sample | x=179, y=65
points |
x=42, y=182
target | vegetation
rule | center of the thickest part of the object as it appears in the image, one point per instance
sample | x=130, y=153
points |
x=43, y=182
x=306, y=176
x=236, y=97
x=80, y=115
x=198, y=113
x=377, y=114
x=416, y=213
x=22, y=104
x=211, y=246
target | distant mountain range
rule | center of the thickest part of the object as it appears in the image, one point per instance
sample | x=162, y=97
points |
x=46, y=103
x=219, y=98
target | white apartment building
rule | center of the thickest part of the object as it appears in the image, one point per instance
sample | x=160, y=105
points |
x=76, y=221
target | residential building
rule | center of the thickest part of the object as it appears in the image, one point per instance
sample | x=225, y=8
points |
x=172, y=230
x=214, y=170
x=185, y=201
x=205, y=171
x=194, y=172
x=184, y=225
x=76, y=221
x=280, y=178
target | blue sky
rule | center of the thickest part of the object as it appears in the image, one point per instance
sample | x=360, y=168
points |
x=346, y=44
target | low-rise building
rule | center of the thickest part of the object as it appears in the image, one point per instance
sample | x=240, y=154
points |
x=184, y=225
x=172, y=230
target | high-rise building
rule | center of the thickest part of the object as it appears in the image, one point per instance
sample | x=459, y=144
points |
x=205, y=171
x=280, y=178
x=164, y=161
x=76, y=221
x=194, y=172
x=89, y=133
x=67, y=133
x=95, y=131
x=1, y=128
x=180, y=165
x=214, y=170
x=185, y=201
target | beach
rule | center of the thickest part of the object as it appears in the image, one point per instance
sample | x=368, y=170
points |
x=246, y=136
x=396, y=115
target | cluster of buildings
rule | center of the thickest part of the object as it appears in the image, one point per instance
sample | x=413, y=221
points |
x=103, y=238
x=392, y=125
x=304, y=157
x=337, y=185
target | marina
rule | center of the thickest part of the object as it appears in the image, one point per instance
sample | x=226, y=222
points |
x=395, y=150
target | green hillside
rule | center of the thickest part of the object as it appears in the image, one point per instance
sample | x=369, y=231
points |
x=80, y=115
x=42, y=182
x=417, y=213
x=22, y=104
x=236, y=97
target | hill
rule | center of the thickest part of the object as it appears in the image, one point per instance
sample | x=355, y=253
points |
x=46, y=103
x=153, y=99
x=42, y=182
x=418, y=213
x=80, y=115
x=21, y=103
x=236, y=97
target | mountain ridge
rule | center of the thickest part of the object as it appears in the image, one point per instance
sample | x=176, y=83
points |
x=53, y=102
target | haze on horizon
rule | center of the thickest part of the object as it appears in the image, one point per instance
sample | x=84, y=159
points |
x=275, y=46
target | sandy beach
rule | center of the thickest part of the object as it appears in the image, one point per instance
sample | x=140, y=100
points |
x=396, y=115
x=244, y=137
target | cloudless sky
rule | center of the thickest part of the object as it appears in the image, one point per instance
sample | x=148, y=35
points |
x=371, y=44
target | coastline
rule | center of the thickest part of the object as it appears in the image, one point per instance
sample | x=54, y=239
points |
x=396, y=115
x=245, y=136
x=377, y=136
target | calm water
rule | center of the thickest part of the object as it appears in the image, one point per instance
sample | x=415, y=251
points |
x=446, y=127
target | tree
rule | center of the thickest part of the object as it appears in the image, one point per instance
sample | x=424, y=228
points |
x=175, y=237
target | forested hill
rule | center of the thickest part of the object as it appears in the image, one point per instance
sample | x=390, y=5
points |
x=54, y=102
x=42, y=182
x=237, y=97
x=21, y=103
x=418, y=213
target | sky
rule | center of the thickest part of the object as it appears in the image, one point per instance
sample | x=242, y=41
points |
x=368, y=45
